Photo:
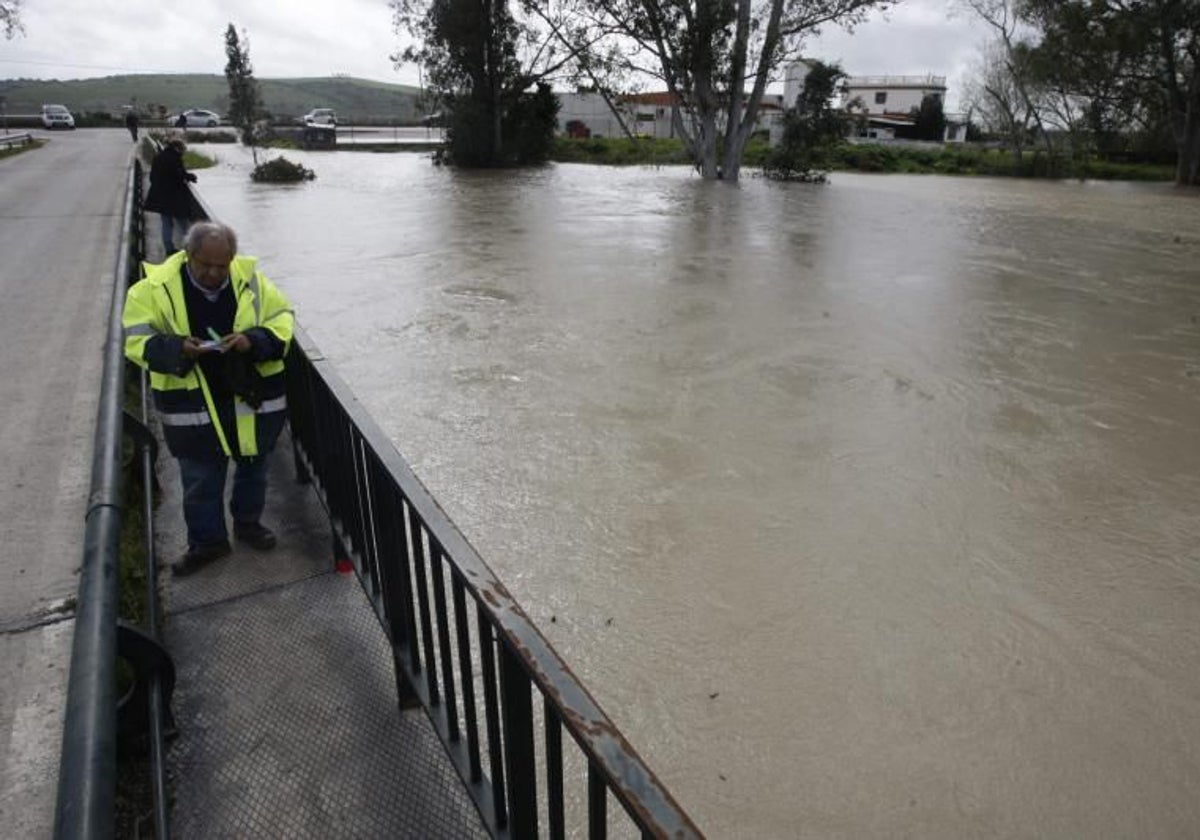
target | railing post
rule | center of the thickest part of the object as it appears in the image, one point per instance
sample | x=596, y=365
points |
x=516, y=707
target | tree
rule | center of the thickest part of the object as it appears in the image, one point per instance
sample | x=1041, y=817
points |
x=489, y=73
x=245, y=102
x=929, y=119
x=1136, y=61
x=715, y=58
x=10, y=18
x=996, y=97
x=812, y=127
x=1010, y=70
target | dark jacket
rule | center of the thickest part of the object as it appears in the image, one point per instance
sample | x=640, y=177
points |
x=168, y=184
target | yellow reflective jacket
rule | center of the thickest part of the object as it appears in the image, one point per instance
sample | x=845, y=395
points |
x=156, y=322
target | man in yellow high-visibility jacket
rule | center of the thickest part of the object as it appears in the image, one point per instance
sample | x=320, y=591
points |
x=213, y=332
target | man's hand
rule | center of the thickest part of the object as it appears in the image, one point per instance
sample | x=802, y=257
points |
x=193, y=348
x=237, y=341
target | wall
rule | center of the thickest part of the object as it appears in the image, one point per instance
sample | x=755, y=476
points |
x=592, y=111
x=900, y=100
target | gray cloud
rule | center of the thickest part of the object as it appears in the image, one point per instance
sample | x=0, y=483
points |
x=70, y=39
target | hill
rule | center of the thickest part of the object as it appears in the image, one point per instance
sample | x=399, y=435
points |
x=355, y=100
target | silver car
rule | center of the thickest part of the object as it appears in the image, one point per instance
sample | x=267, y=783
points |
x=195, y=118
x=320, y=116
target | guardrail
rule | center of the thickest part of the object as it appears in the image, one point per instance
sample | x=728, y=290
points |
x=87, y=769
x=16, y=139
x=447, y=617
x=96, y=720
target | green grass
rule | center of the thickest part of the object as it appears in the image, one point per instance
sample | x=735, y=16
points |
x=949, y=160
x=195, y=160
x=972, y=160
x=620, y=151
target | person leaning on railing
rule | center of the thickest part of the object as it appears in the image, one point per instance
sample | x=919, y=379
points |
x=213, y=332
x=169, y=195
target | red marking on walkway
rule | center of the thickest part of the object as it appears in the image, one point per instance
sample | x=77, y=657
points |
x=344, y=567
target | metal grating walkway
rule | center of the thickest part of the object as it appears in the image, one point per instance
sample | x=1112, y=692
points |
x=285, y=700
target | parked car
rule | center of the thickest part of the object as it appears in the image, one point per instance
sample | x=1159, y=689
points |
x=320, y=116
x=56, y=116
x=195, y=117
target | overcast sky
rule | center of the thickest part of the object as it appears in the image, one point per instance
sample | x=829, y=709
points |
x=74, y=39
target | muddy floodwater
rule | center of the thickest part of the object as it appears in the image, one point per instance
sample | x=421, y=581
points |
x=865, y=510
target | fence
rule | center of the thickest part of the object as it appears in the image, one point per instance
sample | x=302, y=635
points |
x=465, y=646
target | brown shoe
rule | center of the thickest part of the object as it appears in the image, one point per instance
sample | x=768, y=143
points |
x=199, y=556
x=254, y=535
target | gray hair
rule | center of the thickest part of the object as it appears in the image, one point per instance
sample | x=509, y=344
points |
x=200, y=232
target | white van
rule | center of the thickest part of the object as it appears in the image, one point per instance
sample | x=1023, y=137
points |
x=56, y=116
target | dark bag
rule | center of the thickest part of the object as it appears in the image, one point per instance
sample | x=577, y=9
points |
x=244, y=379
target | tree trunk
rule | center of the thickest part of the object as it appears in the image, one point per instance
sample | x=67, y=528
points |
x=706, y=135
x=735, y=145
x=494, y=80
x=1187, y=171
x=706, y=145
x=1187, y=137
x=1018, y=142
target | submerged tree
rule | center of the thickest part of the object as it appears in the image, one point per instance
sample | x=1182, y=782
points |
x=489, y=73
x=715, y=58
x=245, y=102
x=812, y=127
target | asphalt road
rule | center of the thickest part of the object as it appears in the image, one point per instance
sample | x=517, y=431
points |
x=60, y=215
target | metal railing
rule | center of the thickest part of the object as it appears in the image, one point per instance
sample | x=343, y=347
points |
x=461, y=644
x=96, y=719
x=157, y=694
x=87, y=769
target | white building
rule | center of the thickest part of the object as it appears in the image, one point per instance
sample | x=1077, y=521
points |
x=794, y=76
x=591, y=113
x=645, y=114
x=891, y=94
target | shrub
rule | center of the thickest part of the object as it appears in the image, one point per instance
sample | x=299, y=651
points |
x=210, y=136
x=619, y=151
x=281, y=171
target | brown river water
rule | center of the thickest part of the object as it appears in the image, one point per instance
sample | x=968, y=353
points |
x=865, y=510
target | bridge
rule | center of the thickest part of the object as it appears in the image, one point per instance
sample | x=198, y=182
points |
x=371, y=677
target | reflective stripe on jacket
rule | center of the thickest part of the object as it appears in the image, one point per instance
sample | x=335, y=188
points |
x=156, y=322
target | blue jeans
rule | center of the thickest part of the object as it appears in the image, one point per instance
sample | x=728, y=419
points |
x=204, y=494
x=169, y=223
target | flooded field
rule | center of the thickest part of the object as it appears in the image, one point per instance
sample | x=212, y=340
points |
x=865, y=510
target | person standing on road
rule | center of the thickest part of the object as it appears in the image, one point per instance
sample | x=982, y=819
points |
x=213, y=332
x=169, y=195
x=131, y=122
